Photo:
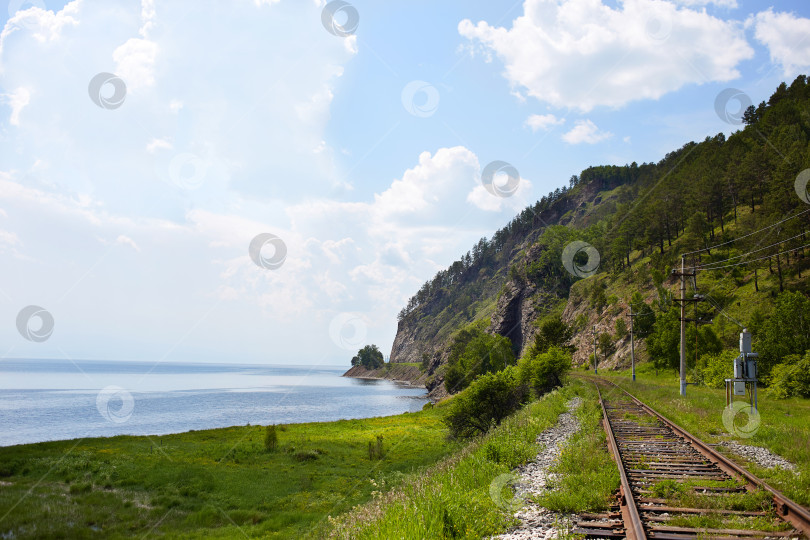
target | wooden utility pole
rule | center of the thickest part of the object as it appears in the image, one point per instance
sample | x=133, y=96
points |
x=632, y=347
x=595, y=357
x=683, y=327
x=683, y=274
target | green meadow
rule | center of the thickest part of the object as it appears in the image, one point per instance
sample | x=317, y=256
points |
x=212, y=483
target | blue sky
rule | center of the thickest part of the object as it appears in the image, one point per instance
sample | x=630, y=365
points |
x=130, y=222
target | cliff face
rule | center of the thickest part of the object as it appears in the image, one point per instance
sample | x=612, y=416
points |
x=510, y=304
x=406, y=343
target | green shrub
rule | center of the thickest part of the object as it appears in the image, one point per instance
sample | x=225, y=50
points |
x=543, y=372
x=270, y=438
x=375, y=448
x=474, y=353
x=714, y=369
x=80, y=487
x=488, y=400
x=598, y=298
x=307, y=455
x=551, y=332
x=621, y=328
x=425, y=364
x=791, y=378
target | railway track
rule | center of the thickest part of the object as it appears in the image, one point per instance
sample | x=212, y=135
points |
x=675, y=487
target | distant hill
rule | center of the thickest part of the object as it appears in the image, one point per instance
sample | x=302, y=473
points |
x=640, y=219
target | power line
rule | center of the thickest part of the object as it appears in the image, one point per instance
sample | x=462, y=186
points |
x=761, y=258
x=722, y=311
x=710, y=265
x=749, y=234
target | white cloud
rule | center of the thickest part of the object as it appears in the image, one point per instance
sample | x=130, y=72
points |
x=8, y=238
x=43, y=25
x=585, y=131
x=124, y=240
x=90, y=204
x=420, y=223
x=787, y=38
x=434, y=188
x=157, y=144
x=17, y=100
x=135, y=62
x=731, y=4
x=543, y=121
x=584, y=53
x=517, y=201
x=183, y=88
x=366, y=256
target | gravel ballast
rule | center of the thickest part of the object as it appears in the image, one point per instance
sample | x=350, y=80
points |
x=761, y=456
x=536, y=521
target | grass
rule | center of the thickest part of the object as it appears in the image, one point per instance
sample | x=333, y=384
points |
x=681, y=495
x=784, y=424
x=212, y=483
x=586, y=477
x=464, y=496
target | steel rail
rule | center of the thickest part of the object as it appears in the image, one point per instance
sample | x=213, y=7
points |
x=632, y=519
x=793, y=513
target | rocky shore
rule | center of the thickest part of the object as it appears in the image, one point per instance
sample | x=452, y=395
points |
x=401, y=373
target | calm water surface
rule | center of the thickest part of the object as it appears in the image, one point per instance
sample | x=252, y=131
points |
x=43, y=400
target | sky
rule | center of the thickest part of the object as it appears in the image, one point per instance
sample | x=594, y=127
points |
x=269, y=181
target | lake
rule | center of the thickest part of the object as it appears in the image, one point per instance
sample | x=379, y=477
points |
x=43, y=400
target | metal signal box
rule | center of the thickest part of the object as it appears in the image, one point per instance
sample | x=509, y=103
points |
x=745, y=372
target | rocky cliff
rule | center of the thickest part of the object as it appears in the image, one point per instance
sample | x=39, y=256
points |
x=508, y=303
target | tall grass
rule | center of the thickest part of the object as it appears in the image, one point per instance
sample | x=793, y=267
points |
x=452, y=499
x=585, y=477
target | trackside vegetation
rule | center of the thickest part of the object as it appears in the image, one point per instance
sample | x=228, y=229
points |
x=455, y=498
x=585, y=476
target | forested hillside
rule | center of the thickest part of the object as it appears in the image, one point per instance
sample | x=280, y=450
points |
x=640, y=219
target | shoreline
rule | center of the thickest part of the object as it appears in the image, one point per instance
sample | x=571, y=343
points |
x=409, y=374
x=401, y=373
x=203, y=431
